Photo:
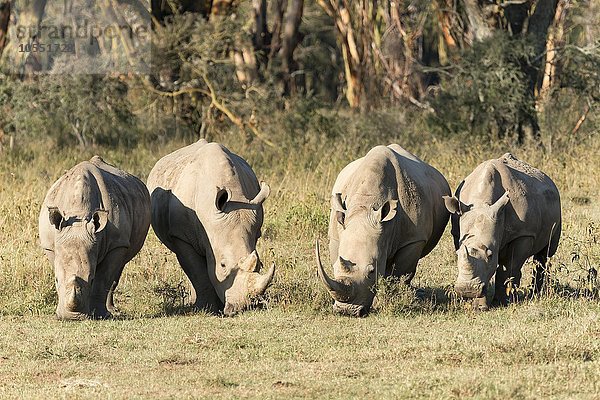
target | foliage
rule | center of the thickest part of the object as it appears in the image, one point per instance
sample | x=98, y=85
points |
x=83, y=109
x=486, y=91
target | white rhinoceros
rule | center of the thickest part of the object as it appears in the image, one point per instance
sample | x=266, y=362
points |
x=387, y=212
x=93, y=220
x=502, y=213
x=207, y=209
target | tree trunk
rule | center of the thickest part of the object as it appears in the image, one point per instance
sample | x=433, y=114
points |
x=478, y=26
x=262, y=37
x=539, y=24
x=4, y=21
x=290, y=39
x=555, y=37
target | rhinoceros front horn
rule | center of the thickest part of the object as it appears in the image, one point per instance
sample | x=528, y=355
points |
x=263, y=281
x=338, y=290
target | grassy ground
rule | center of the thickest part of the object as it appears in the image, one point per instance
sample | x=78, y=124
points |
x=295, y=347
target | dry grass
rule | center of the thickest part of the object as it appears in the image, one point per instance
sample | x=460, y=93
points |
x=294, y=347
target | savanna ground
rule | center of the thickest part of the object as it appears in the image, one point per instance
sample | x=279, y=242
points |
x=294, y=346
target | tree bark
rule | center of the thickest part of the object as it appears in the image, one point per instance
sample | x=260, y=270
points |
x=4, y=21
x=478, y=27
x=555, y=37
x=290, y=39
x=261, y=30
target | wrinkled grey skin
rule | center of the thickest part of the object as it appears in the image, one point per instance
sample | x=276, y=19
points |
x=502, y=213
x=386, y=214
x=207, y=209
x=93, y=220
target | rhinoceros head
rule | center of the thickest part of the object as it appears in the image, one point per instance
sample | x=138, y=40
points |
x=362, y=254
x=234, y=265
x=481, y=229
x=75, y=258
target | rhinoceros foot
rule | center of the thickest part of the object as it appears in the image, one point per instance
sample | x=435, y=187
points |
x=480, y=304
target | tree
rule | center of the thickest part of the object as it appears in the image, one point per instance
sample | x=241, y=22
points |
x=382, y=47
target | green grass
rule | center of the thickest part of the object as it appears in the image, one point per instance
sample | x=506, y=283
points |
x=544, y=349
x=294, y=346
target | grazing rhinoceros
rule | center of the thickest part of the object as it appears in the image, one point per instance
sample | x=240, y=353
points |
x=207, y=209
x=386, y=213
x=94, y=219
x=502, y=213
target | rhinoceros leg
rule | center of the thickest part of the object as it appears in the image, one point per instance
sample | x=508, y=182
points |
x=108, y=273
x=195, y=267
x=405, y=261
x=512, y=259
x=539, y=272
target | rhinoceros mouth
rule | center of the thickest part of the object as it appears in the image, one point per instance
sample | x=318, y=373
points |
x=351, y=310
x=65, y=315
x=471, y=289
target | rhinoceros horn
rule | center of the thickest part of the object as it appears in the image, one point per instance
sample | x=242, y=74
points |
x=338, y=290
x=262, y=281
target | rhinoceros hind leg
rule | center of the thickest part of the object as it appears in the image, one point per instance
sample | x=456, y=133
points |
x=539, y=272
x=195, y=267
x=110, y=302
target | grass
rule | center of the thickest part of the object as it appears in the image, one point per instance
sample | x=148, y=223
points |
x=294, y=347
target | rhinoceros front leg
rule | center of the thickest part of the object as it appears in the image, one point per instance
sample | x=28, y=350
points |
x=405, y=262
x=195, y=267
x=108, y=273
x=511, y=261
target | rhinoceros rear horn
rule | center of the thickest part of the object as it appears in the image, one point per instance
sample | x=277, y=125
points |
x=250, y=262
x=338, y=290
x=265, y=191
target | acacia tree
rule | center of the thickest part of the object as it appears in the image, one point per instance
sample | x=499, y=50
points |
x=4, y=20
x=381, y=46
x=539, y=21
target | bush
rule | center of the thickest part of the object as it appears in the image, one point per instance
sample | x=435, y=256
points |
x=83, y=109
x=487, y=91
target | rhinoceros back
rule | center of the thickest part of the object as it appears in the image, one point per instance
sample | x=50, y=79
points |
x=534, y=199
x=182, y=183
x=93, y=185
x=391, y=170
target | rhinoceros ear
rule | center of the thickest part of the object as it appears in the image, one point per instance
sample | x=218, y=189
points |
x=222, y=198
x=452, y=204
x=337, y=204
x=100, y=219
x=262, y=195
x=500, y=203
x=55, y=217
x=388, y=211
x=455, y=206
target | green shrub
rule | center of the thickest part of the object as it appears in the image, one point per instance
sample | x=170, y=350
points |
x=487, y=91
x=83, y=109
